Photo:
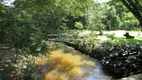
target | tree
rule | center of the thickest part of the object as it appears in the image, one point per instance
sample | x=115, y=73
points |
x=95, y=16
x=30, y=21
x=135, y=6
x=119, y=16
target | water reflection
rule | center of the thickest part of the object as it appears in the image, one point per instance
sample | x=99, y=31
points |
x=95, y=73
x=69, y=64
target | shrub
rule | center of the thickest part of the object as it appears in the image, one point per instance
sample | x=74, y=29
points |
x=79, y=25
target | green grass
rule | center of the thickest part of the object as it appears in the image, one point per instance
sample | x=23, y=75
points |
x=116, y=36
x=127, y=41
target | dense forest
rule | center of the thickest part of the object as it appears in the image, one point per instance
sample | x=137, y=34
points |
x=29, y=27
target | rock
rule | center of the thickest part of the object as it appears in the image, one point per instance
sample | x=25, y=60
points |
x=134, y=77
x=119, y=60
x=128, y=36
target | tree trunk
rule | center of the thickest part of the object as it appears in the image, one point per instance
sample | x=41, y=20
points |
x=135, y=7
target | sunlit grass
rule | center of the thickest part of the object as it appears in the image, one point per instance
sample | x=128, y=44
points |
x=118, y=37
x=128, y=41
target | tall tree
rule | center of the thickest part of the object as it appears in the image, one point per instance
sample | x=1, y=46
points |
x=119, y=16
x=95, y=17
x=135, y=6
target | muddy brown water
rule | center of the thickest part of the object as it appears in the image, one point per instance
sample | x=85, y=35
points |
x=69, y=64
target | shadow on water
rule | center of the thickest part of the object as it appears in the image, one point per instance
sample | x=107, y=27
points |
x=68, y=64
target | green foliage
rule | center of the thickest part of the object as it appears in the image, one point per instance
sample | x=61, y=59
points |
x=78, y=25
x=95, y=17
x=119, y=17
x=136, y=29
x=135, y=7
x=28, y=23
x=115, y=22
x=129, y=20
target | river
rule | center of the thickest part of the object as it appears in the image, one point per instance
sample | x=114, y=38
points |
x=69, y=64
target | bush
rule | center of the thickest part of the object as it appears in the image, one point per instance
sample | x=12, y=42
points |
x=79, y=25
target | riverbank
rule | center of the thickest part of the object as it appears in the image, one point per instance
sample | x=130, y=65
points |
x=63, y=61
x=119, y=55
